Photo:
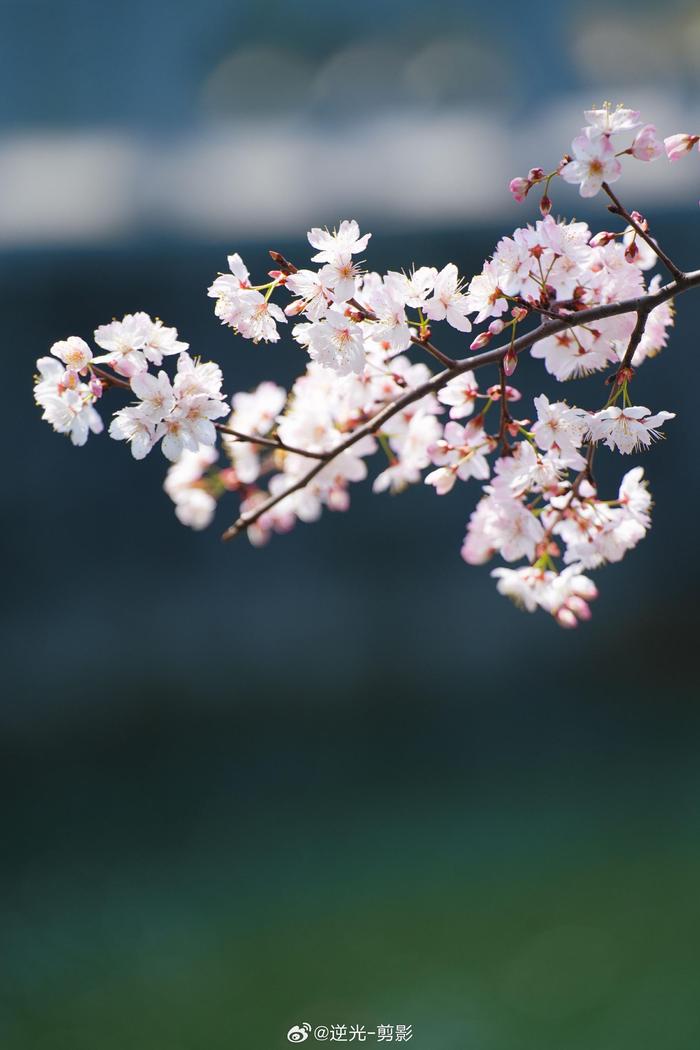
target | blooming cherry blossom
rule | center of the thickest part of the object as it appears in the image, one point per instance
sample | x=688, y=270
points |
x=378, y=383
x=448, y=302
x=346, y=240
x=677, y=146
x=594, y=163
x=337, y=342
x=625, y=429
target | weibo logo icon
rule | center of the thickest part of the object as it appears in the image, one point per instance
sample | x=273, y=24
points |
x=299, y=1032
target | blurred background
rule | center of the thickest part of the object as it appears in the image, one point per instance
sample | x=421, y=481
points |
x=339, y=780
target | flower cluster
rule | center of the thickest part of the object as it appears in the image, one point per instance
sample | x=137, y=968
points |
x=375, y=383
x=61, y=390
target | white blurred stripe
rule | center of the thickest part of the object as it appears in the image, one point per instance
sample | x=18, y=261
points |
x=269, y=177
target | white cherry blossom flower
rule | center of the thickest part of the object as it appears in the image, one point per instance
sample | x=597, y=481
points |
x=594, y=163
x=156, y=394
x=460, y=394
x=346, y=240
x=626, y=429
x=609, y=121
x=337, y=343
x=124, y=342
x=314, y=293
x=162, y=342
x=194, y=505
x=74, y=352
x=255, y=317
x=448, y=302
x=561, y=428
x=485, y=296
x=131, y=424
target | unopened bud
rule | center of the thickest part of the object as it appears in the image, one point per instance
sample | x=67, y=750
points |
x=482, y=340
x=519, y=313
x=535, y=174
x=579, y=607
x=497, y=326
x=545, y=205
x=640, y=220
x=601, y=239
x=565, y=618
x=510, y=363
x=519, y=188
x=96, y=387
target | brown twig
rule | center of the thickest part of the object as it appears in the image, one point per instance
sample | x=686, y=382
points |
x=267, y=442
x=109, y=378
x=617, y=208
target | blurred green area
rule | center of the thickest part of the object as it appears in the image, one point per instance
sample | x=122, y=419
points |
x=527, y=907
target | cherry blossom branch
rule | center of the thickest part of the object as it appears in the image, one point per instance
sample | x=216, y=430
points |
x=288, y=268
x=643, y=304
x=635, y=340
x=267, y=442
x=618, y=209
x=109, y=378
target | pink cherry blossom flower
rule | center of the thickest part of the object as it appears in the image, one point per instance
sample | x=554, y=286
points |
x=677, y=146
x=647, y=145
x=520, y=188
x=594, y=163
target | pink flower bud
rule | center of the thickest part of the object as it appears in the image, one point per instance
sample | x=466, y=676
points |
x=601, y=239
x=497, y=326
x=579, y=607
x=677, y=146
x=545, y=205
x=565, y=618
x=640, y=220
x=510, y=362
x=338, y=498
x=96, y=387
x=519, y=188
x=586, y=588
x=646, y=145
x=519, y=313
x=482, y=339
x=535, y=174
